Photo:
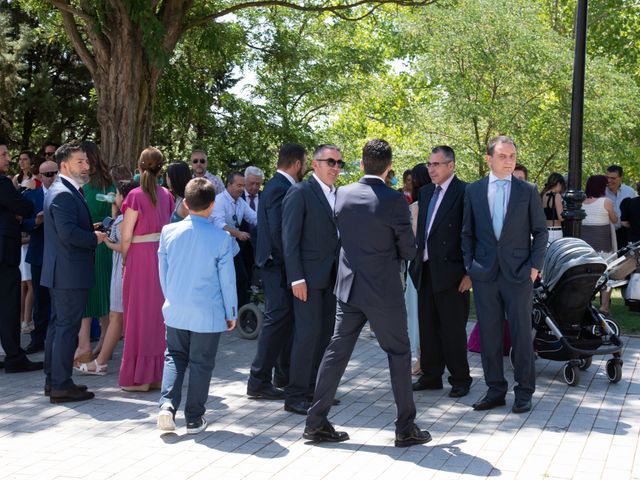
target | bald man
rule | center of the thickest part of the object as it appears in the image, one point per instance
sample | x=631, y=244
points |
x=47, y=174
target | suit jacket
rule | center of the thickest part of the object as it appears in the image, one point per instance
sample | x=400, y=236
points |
x=11, y=204
x=446, y=263
x=523, y=240
x=269, y=241
x=309, y=235
x=376, y=235
x=36, y=232
x=69, y=241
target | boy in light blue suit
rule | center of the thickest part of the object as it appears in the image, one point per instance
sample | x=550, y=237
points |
x=198, y=282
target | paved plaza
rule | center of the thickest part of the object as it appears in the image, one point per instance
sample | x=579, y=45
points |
x=586, y=432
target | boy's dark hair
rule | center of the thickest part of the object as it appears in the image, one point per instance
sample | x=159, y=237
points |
x=289, y=154
x=199, y=193
x=125, y=186
x=376, y=157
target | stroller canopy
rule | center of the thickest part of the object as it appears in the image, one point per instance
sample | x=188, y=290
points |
x=565, y=253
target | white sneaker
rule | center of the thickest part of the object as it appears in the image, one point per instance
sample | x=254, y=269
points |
x=166, y=418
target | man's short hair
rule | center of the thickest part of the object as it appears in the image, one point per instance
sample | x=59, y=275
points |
x=325, y=146
x=197, y=150
x=376, y=157
x=523, y=169
x=289, y=154
x=64, y=152
x=499, y=139
x=199, y=193
x=615, y=169
x=253, y=171
x=447, y=151
x=231, y=177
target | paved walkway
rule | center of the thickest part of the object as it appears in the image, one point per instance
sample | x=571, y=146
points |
x=584, y=432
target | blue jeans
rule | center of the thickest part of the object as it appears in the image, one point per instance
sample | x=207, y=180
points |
x=198, y=351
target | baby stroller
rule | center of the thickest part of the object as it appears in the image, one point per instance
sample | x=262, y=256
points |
x=567, y=326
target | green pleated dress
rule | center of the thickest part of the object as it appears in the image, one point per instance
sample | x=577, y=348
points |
x=98, y=304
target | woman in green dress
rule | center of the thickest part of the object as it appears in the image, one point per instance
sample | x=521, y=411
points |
x=100, y=184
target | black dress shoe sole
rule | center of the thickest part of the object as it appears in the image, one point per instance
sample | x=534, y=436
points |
x=408, y=442
x=292, y=409
x=47, y=389
x=323, y=437
x=488, y=405
x=264, y=396
x=75, y=398
x=419, y=387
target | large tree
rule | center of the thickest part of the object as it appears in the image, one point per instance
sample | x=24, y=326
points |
x=126, y=44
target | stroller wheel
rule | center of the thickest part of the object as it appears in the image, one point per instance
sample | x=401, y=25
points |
x=571, y=374
x=614, y=370
x=249, y=321
x=585, y=363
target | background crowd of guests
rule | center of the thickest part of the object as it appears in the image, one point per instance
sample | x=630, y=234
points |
x=79, y=241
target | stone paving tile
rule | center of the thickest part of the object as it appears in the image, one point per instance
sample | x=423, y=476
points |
x=583, y=432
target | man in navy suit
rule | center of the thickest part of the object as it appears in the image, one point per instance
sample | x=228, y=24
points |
x=310, y=242
x=67, y=269
x=13, y=207
x=48, y=172
x=504, y=237
x=375, y=234
x=275, y=336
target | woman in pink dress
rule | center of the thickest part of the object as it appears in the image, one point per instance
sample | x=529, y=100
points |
x=146, y=210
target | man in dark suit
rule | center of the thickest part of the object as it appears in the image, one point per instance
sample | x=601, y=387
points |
x=13, y=207
x=67, y=269
x=504, y=237
x=48, y=172
x=310, y=243
x=440, y=278
x=253, y=180
x=275, y=336
x=375, y=234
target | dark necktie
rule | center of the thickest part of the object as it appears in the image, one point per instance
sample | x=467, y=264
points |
x=252, y=203
x=81, y=191
x=431, y=208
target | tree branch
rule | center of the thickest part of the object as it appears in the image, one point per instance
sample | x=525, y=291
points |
x=335, y=9
x=64, y=6
x=76, y=40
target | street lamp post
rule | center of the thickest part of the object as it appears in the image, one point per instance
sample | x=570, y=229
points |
x=573, y=213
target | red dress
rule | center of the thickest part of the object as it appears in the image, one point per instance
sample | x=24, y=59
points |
x=142, y=299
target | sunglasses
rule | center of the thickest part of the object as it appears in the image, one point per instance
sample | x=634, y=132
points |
x=49, y=174
x=199, y=160
x=49, y=154
x=332, y=162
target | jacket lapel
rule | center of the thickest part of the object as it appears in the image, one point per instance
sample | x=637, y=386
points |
x=484, y=200
x=449, y=199
x=78, y=196
x=514, y=196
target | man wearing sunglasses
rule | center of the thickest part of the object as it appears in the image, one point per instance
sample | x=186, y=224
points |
x=199, y=169
x=310, y=243
x=48, y=172
x=13, y=207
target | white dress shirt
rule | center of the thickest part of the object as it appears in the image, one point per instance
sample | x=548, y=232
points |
x=71, y=181
x=491, y=191
x=228, y=212
x=443, y=190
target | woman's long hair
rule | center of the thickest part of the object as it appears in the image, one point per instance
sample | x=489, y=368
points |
x=179, y=175
x=150, y=164
x=419, y=178
x=100, y=178
x=32, y=158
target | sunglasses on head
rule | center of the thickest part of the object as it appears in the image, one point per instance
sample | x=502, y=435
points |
x=332, y=162
x=49, y=174
x=199, y=160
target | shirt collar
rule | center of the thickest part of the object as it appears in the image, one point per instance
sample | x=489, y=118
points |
x=247, y=195
x=228, y=195
x=493, y=178
x=287, y=176
x=325, y=188
x=446, y=184
x=71, y=181
x=374, y=176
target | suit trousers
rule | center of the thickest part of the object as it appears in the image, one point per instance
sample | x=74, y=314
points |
x=10, y=317
x=314, y=321
x=242, y=280
x=442, y=317
x=493, y=300
x=390, y=327
x=41, y=307
x=276, y=328
x=62, y=336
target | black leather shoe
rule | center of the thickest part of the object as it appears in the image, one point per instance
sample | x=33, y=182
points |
x=34, y=348
x=1, y=364
x=521, y=406
x=457, y=392
x=422, y=385
x=47, y=388
x=298, y=407
x=24, y=366
x=324, y=434
x=487, y=404
x=70, y=395
x=415, y=436
x=267, y=393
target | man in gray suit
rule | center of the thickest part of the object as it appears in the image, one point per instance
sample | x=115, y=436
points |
x=375, y=235
x=504, y=237
x=310, y=242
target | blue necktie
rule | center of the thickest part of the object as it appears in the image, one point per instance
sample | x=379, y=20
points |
x=430, y=209
x=498, y=208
